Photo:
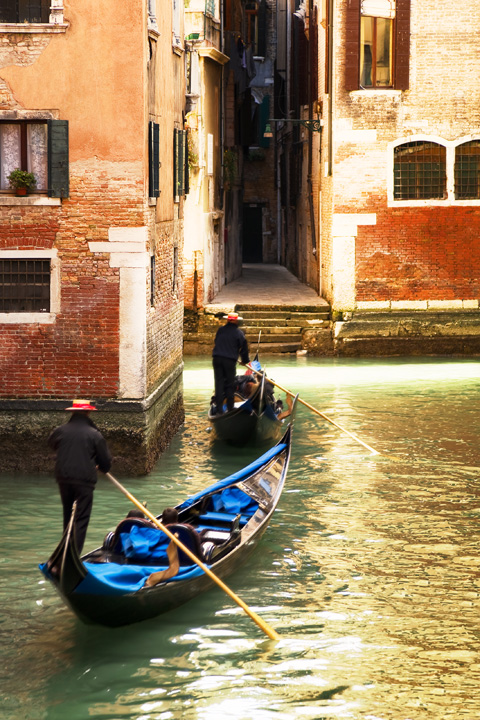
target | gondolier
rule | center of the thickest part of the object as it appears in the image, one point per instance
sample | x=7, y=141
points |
x=230, y=342
x=131, y=577
x=80, y=448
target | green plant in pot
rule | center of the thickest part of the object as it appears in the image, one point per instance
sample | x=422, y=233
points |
x=21, y=181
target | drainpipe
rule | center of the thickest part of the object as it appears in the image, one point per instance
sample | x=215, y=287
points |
x=330, y=85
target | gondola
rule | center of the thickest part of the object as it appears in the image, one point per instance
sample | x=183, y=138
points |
x=221, y=525
x=253, y=419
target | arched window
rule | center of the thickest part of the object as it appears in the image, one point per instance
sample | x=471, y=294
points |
x=419, y=171
x=467, y=171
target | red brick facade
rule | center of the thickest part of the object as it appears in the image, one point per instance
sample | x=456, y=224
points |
x=114, y=329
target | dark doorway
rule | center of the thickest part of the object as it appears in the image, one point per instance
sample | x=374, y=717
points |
x=252, y=234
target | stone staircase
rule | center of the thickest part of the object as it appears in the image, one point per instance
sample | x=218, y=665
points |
x=281, y=328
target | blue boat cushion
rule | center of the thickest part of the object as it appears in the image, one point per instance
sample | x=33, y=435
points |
x=235, y=501
x=144, y=543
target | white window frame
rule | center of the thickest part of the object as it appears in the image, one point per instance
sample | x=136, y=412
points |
x=450, y=146
x=56, y=22
x=36, y=317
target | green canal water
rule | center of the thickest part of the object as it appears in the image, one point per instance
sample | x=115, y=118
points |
x=369, y=571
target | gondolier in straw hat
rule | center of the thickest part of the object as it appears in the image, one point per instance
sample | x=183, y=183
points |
x=230, y=342
x=81, y=449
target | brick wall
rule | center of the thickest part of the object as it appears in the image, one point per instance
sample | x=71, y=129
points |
x=419, y=250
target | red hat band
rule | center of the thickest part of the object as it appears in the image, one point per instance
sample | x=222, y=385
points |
x=81, y=405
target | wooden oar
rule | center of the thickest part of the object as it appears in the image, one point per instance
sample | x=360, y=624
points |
x=313, y=409
x=270, y=632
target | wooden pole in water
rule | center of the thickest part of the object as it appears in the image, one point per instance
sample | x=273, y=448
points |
x=270, y=632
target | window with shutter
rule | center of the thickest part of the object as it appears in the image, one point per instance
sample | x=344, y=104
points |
x=154, y=159
x=39, y=147
x=377, y=44
x=179, y=143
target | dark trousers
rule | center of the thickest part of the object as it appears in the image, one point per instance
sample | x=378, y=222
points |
x=83, y=494
x=224, y=370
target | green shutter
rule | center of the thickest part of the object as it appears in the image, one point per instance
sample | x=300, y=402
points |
x=181, y=162
x=154, y=159
x=58, y=174
x=179, y=142
x=175, y=162
x=187, y=169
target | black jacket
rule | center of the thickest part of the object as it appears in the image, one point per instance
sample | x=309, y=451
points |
x=230, y=342
x=80, y=448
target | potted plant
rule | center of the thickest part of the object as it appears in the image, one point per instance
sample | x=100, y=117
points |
x=21, y=181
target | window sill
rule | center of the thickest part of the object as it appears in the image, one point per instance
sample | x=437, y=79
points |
x=14, y=200
x=433, y=203
x=27, y=28
x=380, y=92
x=40, y=318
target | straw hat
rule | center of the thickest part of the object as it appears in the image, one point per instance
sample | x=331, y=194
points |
x=81, y=405
x=233, y=317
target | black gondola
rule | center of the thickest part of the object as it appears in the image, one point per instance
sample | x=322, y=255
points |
x=253, y=419
x=222, y=526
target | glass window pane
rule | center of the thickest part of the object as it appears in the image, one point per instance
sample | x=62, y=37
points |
x=24, y=286
x=420, y=171
x=10, y=157
x=467, y=171
x=37, y=153
x=366, y=51
x=384, y=55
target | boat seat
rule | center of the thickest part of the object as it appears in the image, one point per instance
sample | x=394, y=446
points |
x=221, y=520
x=190, y=538
x=111, y=540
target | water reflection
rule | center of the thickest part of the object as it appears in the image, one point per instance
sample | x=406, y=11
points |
x=369, y=571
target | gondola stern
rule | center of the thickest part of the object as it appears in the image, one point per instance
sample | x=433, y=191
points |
x=64, y=568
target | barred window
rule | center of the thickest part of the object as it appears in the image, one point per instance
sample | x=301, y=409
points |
x=467, y=171
x=420, y=171
x=24, y=286
x=24, y=11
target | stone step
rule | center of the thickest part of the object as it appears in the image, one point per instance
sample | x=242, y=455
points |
x=272, y=337
x=293, y=322
x=267, y=329
x=244, y=307
x=284, y=314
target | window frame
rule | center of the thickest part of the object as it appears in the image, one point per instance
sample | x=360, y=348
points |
x=375, y=85
x=36, y=317
x=400, y=48
x=420, y=175
x=55, y=22
x=450, y=199
x=458, y=162
x=57, y=170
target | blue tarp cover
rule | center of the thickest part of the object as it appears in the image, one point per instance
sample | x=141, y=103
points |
x=236, y=477
x=233, y=500
x=114, y=579
x=144, y=543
